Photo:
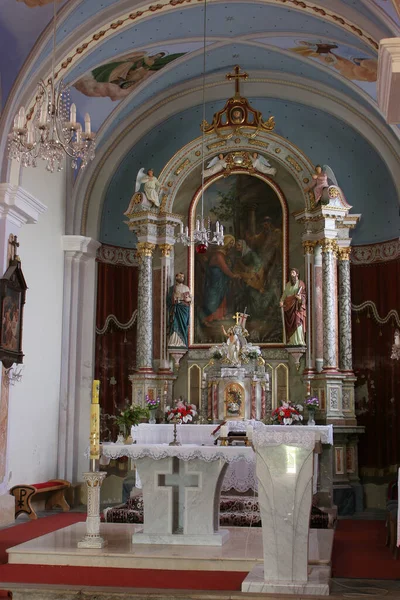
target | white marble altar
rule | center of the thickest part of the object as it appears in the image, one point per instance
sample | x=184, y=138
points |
x=284, y=466
x=181, y=490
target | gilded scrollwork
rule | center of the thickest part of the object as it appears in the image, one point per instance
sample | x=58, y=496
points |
x=166, y=249
x=145, y=249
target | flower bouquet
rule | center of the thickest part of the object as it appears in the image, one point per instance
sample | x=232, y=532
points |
x=287, y=414
x=152, y=404
x=182, y=412
x=131, y=415
x=312, y=405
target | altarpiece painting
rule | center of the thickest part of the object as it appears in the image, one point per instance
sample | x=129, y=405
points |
x=248, y=271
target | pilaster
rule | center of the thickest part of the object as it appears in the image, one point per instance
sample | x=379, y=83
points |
x=78, y=336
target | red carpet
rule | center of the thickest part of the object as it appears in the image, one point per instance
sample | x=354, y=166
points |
x=359, y=552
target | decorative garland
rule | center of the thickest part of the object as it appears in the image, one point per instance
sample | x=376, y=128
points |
x=112, y=319
x=368, y=304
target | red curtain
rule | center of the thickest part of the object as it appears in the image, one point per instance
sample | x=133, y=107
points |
x=378, y=376
x=117, y=291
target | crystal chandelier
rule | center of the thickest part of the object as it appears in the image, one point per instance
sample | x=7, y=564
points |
x=203, y=235
x=50, y=130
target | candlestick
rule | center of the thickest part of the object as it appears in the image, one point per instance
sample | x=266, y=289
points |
x=87, y=124
x=249, y=432
x=224, y=431
x=95, y=422
x=72, y=114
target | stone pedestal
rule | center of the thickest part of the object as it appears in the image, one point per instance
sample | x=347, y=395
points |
x=284, y=467
x=181, y=502
x=93, y=538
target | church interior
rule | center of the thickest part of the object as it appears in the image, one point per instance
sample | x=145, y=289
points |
x=200, y=299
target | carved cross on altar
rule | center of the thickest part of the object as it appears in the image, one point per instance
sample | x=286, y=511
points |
x=13, y=247
x=237, y=76
x=179, y=481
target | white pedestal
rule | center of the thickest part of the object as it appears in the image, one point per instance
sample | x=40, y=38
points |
x=93, y=538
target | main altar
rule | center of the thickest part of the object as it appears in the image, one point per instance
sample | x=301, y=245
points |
x=262, y=314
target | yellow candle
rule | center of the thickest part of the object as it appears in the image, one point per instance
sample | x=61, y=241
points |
x=95, y=391
x=95, y=422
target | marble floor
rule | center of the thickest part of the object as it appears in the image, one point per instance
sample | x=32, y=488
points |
x=241, y=553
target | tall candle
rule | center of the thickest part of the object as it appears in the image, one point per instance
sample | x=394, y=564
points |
x=249, y=432
x=95, y=422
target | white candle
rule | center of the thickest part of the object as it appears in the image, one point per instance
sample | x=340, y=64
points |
x=249, y=432
x=197, y=225
x=217, y=226
x=181, y=227
x=21, y=118
x=187, y=231
x=16, y=121
x=224, y=431
x=222, y=230
x=30, y=139
x=43, y=114
x=72, y=114
x=87, y=124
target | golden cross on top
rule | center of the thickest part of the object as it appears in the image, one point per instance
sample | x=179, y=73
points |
x=237, y=76
x=237, y=317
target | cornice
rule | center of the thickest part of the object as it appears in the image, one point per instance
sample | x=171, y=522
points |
x=19, y=206
x=80, y=245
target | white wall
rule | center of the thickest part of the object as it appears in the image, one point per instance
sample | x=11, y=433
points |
x=34, y=402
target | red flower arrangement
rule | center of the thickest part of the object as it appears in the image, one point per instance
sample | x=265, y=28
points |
x=287, y=414
x=181, y=413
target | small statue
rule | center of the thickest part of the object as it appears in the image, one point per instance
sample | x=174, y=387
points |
x=262, y=165
x=396, y=346
x=178, y=303
x=322, y=179
x=232, y=346
x=293, y=305
x=151, y=186
x=216, y=165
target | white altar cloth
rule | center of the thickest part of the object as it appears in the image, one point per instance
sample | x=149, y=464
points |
x=186, y=452
x=240, y=475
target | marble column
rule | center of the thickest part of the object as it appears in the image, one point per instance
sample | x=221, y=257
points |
x=78, y=348
x=318, y=329
x=17, y=208
x=330, y=321
x=345, y=338
x=166, y=282
x=144, y=351
x=309, y=263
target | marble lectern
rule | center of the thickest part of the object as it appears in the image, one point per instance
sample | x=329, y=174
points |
x=284, y=468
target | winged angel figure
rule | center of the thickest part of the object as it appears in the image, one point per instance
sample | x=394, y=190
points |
x=151, y=186
x=323, y=178
x=262, y=165
x=216, y=165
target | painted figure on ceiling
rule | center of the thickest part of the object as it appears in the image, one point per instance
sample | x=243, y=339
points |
x=151, y=186
x=293, y=304
x=178, y=305
x=216, y=165
x=262, y=164
x=117, y=79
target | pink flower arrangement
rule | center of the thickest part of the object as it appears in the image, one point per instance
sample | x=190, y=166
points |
x=287, y=414
x=180, y=413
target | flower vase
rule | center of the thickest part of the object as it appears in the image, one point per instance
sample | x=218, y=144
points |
x=311, y=417
x=152, y=419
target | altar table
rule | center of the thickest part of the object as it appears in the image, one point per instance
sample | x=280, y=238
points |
x=240, y=475
x=181, y=490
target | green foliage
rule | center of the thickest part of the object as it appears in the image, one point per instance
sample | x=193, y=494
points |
x=132, y=415
x=228, y=207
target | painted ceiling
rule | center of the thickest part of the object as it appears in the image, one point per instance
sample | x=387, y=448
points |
x=119, y=55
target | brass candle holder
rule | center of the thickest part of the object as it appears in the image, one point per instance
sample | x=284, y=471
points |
x=175, y=441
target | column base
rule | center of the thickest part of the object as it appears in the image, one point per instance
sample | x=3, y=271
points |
x=179, y=539
x=92, y=541
x=317, y=584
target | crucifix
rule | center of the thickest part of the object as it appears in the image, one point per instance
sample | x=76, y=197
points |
x=13, y=245
x=237, y=76
x=178, y=481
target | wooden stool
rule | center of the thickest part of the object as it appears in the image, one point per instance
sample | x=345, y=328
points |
x=23, y=495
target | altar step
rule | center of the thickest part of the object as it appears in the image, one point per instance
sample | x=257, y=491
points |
x=235, y=511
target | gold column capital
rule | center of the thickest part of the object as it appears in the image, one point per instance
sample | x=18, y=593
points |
x=166, y=249
x=328, y=245
x=309, y=246
x=344, y=253
x=145, y=249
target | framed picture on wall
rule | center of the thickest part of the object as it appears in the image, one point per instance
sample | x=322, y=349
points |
x=12, y=299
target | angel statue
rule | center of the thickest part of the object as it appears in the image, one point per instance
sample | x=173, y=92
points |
x=151, y=186
x=322, y=179
x=216, y=165
x=262, y=165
